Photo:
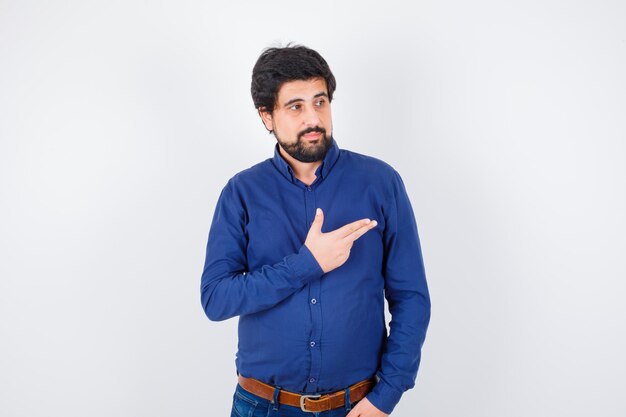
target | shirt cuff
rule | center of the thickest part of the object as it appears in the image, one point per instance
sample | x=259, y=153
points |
x=304, y=265
x=384, y=397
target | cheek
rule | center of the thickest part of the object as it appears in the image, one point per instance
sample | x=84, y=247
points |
x=289, y=128
x=328, y=123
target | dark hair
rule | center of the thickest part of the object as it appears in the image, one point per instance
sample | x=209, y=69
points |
x=277, y=65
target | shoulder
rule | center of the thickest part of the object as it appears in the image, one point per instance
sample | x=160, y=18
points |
x=369, y=167
x=235, y=192
x=380, y=175
x=249, y=177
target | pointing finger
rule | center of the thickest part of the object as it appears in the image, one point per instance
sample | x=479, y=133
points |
x=361, y=231
x=349, y=228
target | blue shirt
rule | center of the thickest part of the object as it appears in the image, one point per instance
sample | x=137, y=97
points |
x=300, y=328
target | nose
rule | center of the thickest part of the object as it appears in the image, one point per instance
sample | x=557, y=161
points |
x=311, y=118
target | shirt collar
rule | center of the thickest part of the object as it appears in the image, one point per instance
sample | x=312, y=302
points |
x=323, y=169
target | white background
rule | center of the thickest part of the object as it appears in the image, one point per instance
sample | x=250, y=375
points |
x=121, y=121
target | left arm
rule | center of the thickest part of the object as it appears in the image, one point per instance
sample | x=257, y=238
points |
x=408, y=297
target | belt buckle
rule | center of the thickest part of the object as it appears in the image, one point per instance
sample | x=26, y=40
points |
x=304, y=397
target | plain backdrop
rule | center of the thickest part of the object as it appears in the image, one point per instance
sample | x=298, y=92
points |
x=120, y=122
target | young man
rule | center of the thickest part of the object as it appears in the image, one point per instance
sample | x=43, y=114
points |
x=303, y=247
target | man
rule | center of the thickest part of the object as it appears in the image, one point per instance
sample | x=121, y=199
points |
x=303, y=247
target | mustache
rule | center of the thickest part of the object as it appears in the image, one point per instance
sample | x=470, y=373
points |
x=311, y=130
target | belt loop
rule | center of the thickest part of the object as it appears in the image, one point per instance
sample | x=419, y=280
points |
x=275, y=402
x=347, y=400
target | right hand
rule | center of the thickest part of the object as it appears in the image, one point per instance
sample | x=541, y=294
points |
x=332, y=249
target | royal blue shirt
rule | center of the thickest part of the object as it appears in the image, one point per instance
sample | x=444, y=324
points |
x=300, y=328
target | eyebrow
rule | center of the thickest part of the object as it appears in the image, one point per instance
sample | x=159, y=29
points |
x=294, y=100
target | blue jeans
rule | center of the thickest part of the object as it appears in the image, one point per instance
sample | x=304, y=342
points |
x=246, y=404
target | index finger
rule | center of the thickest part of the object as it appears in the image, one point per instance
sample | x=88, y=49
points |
x=350, y=228
x=361, y=231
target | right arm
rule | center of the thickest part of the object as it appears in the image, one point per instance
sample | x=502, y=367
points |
x=227, y=288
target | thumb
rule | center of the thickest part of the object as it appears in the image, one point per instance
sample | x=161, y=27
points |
x=318, y=220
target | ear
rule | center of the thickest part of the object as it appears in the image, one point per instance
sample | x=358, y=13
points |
x=266, y=117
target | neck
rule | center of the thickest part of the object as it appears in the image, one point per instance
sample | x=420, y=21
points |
x=304, y=171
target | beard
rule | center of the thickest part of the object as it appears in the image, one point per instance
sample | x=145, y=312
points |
x=305, y=151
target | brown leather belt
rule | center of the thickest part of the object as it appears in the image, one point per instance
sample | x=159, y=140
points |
x=308, y=402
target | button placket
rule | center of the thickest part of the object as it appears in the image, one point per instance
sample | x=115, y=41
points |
x=315, y=335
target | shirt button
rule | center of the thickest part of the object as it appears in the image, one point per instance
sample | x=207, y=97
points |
x=312, y=380
x=308, y=188
x=312, y=344
x=313, y=301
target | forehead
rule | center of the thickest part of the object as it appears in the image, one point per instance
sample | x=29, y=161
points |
x=303, y=89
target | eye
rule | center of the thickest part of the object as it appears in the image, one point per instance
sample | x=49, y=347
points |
x=319, y=103
x=294, y=107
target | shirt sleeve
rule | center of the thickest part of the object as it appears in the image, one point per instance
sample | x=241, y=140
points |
x=408, y=297
x=227, y=288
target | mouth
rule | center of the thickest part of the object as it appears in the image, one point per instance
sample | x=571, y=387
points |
x=312, y=135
